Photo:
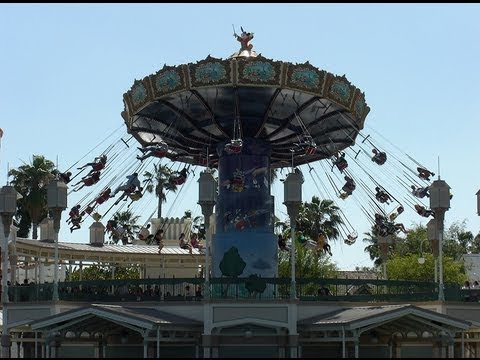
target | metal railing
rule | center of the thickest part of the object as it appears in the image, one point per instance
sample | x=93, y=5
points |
x=241, y=289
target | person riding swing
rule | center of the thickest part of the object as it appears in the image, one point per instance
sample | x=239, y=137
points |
x=379, y=157
x=424, y=173
x=158, y=150
x=340, y=162
x=97, y=164
x=88, y=180
x=348, y=187
x=420, y=192
x=179, y=178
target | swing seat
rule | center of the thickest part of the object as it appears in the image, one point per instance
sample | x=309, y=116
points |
x=310, y=150
x=349, y=242
x=380, y=158
x=179, y=180
x=233, y=148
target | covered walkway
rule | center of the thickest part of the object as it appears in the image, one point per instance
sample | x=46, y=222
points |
x=108, y=331
x=389, y=331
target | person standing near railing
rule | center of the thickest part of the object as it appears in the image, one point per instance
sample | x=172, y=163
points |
x=324, y=291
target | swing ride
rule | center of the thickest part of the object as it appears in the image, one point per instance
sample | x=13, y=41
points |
x=244, y=116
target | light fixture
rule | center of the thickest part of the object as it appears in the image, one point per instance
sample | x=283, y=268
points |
x=97, y=234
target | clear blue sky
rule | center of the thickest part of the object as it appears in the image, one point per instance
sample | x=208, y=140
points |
x=65, y=67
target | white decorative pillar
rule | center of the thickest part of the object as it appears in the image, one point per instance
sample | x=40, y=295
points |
x=13, y=269
x=35, y=277
x=41, y=272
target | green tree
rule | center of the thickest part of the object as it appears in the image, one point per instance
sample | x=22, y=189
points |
x=475, y=247
x=104, y=272
x=319, y=217
x=403, y=255
x=31, y=181
x=408, y=268
x=414, y=241
x=372, y=248
x=398, y=246
x=129, y=222
x=158, y=182
x=458, y=240
x=307, y=265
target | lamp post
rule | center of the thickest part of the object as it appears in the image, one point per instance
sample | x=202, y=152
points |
x=292, y=187
x=478, y=202
x=433, y=238
x=207, y=197
x=383, y=242
x=8, y=207
x=440, y=203
x=57, y=202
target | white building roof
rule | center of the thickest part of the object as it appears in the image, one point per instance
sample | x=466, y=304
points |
x=105, y=253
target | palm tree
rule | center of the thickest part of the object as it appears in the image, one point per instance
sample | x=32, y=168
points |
x=129, y=222
x=158, y=181
x=372, y=248
x=319, y=217
x=403, y=248
x=31, y=181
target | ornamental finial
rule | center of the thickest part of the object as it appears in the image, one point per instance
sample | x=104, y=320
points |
x=245, y=47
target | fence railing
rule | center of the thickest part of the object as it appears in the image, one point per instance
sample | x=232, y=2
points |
x=241, y=289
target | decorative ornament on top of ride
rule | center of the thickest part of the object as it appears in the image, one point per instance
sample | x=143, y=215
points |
x=245, y=47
